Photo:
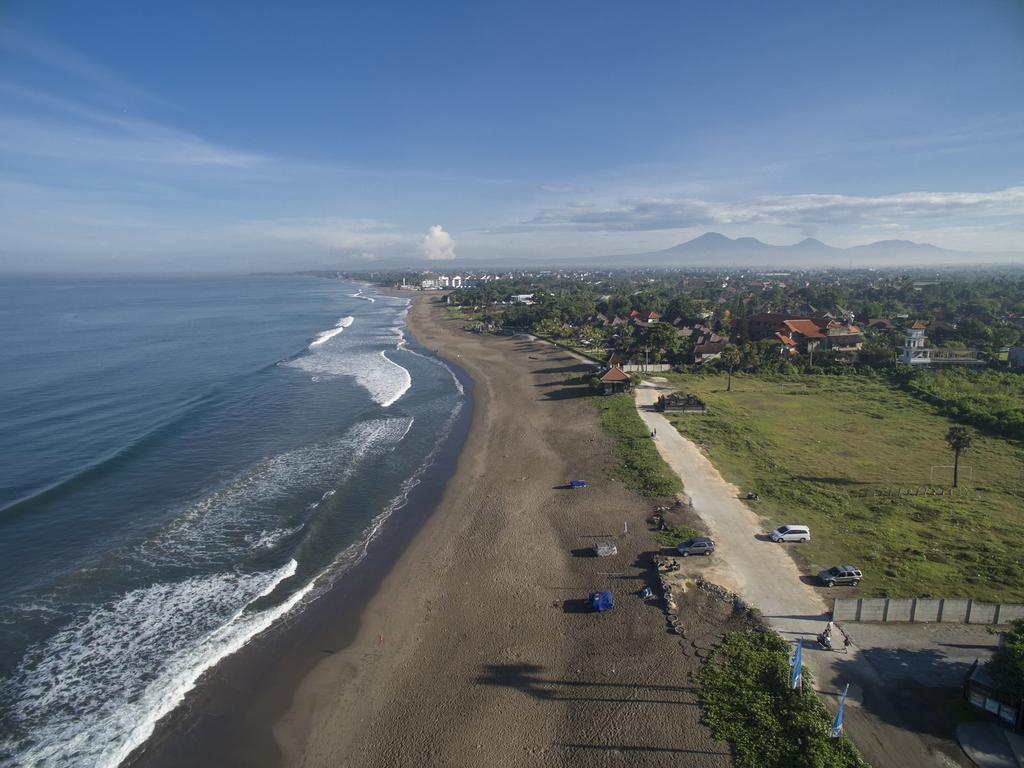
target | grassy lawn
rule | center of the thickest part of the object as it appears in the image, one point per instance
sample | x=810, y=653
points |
x=640, y=465
x=822, y=450
x=456, y=312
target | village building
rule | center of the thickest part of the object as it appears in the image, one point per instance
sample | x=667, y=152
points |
x=916, y=353
x=615, y=380
x=709, y=350
x=805, y=333
x=645, y=318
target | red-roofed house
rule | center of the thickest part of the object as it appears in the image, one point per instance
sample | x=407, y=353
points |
x=805, y=334
x=615, y=380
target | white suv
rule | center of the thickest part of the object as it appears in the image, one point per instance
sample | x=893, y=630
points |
x=791, y=533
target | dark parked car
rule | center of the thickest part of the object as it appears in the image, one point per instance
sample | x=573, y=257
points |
x=841, y=574
x=698, y=546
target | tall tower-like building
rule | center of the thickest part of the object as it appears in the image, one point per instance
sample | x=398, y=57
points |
x=915, y=351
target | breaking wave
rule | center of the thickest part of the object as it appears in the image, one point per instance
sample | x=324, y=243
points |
x=93, y=692
x=329, y=334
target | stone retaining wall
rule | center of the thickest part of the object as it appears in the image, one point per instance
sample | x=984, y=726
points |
x=956, y=610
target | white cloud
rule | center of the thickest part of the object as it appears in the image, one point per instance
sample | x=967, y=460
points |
x=437, y=245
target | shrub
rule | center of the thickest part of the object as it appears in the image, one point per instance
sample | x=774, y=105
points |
x=748, y=701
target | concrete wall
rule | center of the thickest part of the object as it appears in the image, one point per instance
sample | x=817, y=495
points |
x=1008, y=613
x=983, y=613
x=955, y=610
x=845, y=609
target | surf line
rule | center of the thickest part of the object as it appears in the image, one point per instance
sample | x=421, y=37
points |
x=329, y=334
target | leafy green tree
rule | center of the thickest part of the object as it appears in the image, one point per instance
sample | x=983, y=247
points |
x=959, y=440
x=661, y=338
x=878, y=352
x=1007, y=664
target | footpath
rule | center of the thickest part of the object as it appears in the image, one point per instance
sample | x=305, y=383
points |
x=765, y=576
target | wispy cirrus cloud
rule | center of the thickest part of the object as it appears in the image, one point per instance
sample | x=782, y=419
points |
x=659, y=213
x=99, y=82
x=39, y=125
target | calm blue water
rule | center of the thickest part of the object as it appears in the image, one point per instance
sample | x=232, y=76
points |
x=182, y=462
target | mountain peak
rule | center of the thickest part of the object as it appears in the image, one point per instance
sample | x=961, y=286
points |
x=710, y=237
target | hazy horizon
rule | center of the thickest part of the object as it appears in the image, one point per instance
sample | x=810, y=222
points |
x=185, y=140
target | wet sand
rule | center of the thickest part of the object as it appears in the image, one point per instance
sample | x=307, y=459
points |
x=475, y=647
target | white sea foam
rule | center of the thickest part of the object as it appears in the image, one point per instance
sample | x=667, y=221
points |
x=270, y=539
x=359, y=295
x=382, y=377
x=220, y=523
x=329, y=334
x=93, y=692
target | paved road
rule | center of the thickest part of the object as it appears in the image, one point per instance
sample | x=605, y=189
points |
x=766, y=577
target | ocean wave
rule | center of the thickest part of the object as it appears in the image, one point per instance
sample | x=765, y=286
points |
x=438, y=361
x=357, y=550
x=382, y=377
x=329, y=334
x=93, y=692
x=359, y=295
x=270, y=539
x=217, y=527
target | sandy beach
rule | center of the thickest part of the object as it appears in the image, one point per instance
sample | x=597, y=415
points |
x=476, y=647
x=477, y=650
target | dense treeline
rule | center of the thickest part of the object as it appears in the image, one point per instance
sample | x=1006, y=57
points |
x=991, y=400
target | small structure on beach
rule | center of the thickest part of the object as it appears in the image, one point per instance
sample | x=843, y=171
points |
x=600, y=601
x=680, y=402
x=615, y=380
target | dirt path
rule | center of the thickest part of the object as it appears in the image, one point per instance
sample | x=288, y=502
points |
x=766, y=576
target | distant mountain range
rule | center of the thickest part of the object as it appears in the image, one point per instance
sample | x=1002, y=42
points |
x=716, y=250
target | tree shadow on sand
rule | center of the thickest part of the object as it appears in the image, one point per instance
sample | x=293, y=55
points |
x=529, y=679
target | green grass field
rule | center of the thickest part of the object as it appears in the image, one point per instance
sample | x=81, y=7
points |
x=822, y=451
x=640, y=466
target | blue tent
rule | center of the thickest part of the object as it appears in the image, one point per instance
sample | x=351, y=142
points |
x=577, y=483
x=601, y=601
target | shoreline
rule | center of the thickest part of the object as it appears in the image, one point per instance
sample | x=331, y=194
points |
x=476, y=645
x=216, y=716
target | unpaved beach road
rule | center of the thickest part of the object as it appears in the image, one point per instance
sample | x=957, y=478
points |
x=767, y=578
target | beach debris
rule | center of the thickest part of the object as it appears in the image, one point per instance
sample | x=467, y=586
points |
x=605, y=549
x=601, y=601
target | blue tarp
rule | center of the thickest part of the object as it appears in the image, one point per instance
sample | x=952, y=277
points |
x=577, y=483
x=600, y=601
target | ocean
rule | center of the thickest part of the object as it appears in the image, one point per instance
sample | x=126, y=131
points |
x=184, y=463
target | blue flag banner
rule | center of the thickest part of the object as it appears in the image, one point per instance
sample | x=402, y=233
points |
x=837, y=724
x=796, y=662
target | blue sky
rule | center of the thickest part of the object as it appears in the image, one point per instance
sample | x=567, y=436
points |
x=255, y=135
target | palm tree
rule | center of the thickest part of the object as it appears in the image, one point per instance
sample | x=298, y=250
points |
x=959, y=439
x=731, y=357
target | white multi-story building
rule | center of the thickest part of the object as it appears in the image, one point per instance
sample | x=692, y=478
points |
x=457, y=281
x=915, y=351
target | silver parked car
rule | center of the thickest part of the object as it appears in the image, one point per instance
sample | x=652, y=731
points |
x=841, y=574
x=701, y=545
x=791, y=532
